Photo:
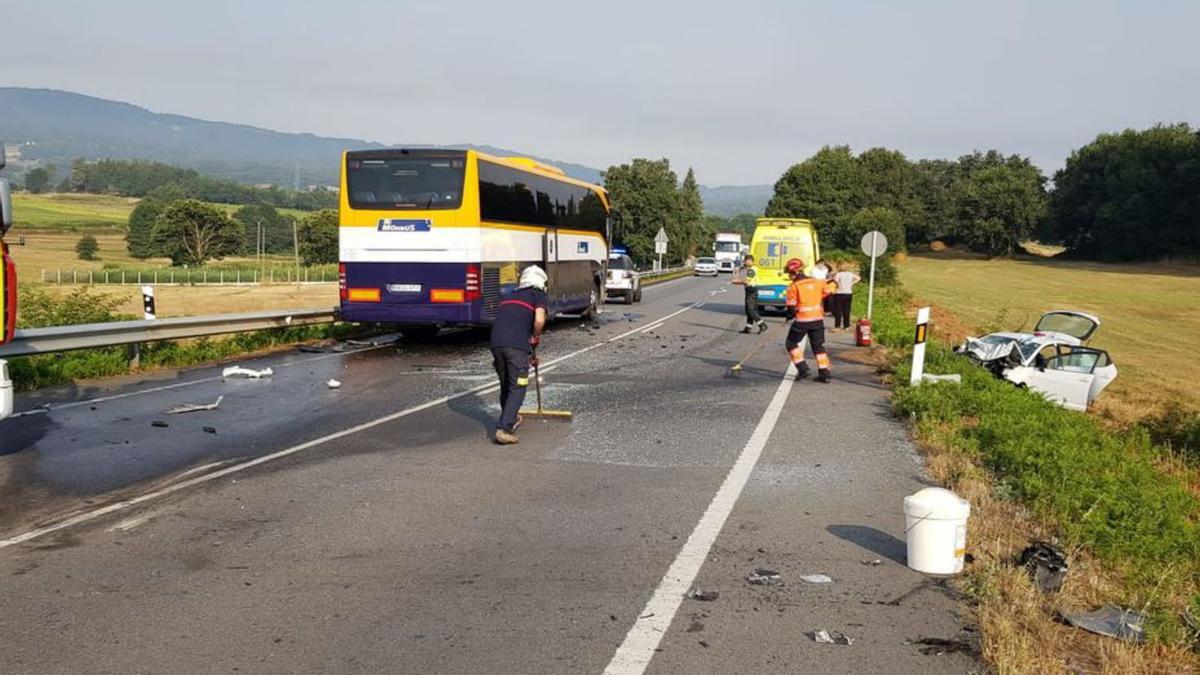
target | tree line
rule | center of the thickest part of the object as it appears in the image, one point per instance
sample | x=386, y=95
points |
x=646, y=195
x=167, y=223
x=1128, y=196
x=139, y=178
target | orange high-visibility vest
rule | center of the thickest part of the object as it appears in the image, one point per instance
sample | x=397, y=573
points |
x=804, y=298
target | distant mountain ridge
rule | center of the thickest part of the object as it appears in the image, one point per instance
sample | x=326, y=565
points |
x=52, y=126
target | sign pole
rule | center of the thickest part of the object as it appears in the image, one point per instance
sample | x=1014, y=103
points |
x=871, y=285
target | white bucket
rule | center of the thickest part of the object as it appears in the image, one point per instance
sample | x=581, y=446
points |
x=936, y=530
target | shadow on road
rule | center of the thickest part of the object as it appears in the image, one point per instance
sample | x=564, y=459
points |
x=876, y=541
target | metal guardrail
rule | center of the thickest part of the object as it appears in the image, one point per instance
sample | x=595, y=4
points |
x=663, y=273
x=91, y=335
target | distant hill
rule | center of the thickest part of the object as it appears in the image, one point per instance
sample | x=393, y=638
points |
x=56, y=127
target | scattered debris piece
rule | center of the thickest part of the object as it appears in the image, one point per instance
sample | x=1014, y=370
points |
x=702, y=595
x=334, y=348
x=873, y=562
x=954, y=378
x=160, y=424
x=1046, y=564
x=817, y=579
x=1123, y=624
x=333, y=384
x=764, y=577
x=238, y=371
x=704, y=644
x=939, y=646
x=210, y=430
x=195, y=407
x=377, y=341
x=831, y=638
x=695, y=627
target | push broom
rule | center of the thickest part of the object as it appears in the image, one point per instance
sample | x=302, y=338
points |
x=541, y=413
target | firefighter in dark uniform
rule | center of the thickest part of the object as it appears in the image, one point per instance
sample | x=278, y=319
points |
x=517, y=330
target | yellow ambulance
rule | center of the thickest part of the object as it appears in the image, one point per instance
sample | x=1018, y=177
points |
x=776, y=241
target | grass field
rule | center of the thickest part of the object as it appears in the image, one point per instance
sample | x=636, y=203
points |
x=84, y=212
x=197, y=300
x=1150, y=315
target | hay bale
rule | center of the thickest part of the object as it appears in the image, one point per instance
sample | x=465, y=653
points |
x=937, y=246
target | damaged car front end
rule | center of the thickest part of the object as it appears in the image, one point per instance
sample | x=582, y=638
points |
x=1053, y=360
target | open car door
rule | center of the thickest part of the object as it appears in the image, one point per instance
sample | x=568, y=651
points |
x=1072, y=379
x=1077, y=325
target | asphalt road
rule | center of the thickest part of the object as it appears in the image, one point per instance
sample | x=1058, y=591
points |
x=374, y=528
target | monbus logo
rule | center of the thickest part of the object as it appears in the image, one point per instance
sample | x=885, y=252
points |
x=403, y=225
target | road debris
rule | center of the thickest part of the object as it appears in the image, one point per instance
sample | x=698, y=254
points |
x=1111, y=621
x=939, y=646
x=702, y=595
x=872, y=562
x=1046, y=564
x=322, y=349
x=159, y=424
x=333, y=384
x=377, y=341
x=954, y=378
x=238, y=371
x=831, y=638
x=764, y=577
x=817, y=579
x=195, y=407
x=210, y=430
x=703, y=643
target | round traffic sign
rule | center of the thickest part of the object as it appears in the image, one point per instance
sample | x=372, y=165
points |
x=874, y=243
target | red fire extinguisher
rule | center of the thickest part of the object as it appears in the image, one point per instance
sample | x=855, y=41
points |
x=862, y=333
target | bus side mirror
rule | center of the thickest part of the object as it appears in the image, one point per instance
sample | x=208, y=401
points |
x=5, y=207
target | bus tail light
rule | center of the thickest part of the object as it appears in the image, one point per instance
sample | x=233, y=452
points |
x=363, y=294
x=472, y=289
x=342, y=282
x=8, y=295
x=447, y=295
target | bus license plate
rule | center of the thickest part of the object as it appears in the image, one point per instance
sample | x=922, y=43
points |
x=404, y=288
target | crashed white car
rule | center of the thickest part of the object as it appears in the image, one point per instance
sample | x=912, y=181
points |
x=1052, y=360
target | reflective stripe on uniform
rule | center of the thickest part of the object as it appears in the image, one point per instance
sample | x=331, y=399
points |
x=521, y=303
x=823, y=361
x=522, y=381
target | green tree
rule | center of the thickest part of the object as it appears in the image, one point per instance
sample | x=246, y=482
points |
x=1130, y=196
x=886, y=220
x=1000, y=201
x=139, y=238
x=644, y=193
x=318, y=234
x=826, y=188
x=691, y=230
x=40, y=179
x=933, y=189
x=277, y=228
x=87, y=247
x=191, y=232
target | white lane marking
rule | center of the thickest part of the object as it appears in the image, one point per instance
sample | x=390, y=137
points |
x=634, y=654
x=177, y=385
x=88, y=516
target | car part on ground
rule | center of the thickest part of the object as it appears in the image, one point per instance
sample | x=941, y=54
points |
x=1052, y=360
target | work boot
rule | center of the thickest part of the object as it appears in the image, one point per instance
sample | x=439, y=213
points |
x=823, y=376
x=762, y=326
x=505, y=437
x=802, y=372
x=746, y=330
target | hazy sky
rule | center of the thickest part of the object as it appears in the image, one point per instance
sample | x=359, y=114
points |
x=739, y=89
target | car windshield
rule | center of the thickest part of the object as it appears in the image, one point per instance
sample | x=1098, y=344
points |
x=705, y=261
x=617, y=263
x=1028, y=346
x=728, y=247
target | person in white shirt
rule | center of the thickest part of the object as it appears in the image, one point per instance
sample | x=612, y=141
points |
x=842, y=297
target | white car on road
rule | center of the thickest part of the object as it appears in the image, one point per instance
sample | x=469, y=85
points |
x=1052, y=360
x=705, y=267
x=623, y=279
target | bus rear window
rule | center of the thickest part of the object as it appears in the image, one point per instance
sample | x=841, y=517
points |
x=397, y=183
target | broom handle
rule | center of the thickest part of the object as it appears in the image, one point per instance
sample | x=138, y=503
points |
x=537, y=380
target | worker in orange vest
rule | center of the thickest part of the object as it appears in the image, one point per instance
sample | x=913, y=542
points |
x=804, y=301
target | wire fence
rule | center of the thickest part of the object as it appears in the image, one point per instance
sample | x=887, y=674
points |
x=193, y=277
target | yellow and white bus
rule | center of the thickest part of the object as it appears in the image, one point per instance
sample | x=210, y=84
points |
x=431, y=237
x=776, y=241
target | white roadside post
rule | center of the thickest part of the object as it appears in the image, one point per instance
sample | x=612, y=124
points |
x=918, y=362
x=660, y=247
x=148, y=312
x=873, y=244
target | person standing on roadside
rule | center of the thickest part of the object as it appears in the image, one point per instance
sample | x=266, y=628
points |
x=842, y=298
x=515, y=334
x=804, y=299
x=746, y=277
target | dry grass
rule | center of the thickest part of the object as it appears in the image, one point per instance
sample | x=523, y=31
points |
x=71, y=211
x=1150, y=315
x=1019, y=632
x=198, y=300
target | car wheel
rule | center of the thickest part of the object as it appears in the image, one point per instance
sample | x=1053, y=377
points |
x=637, y=295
